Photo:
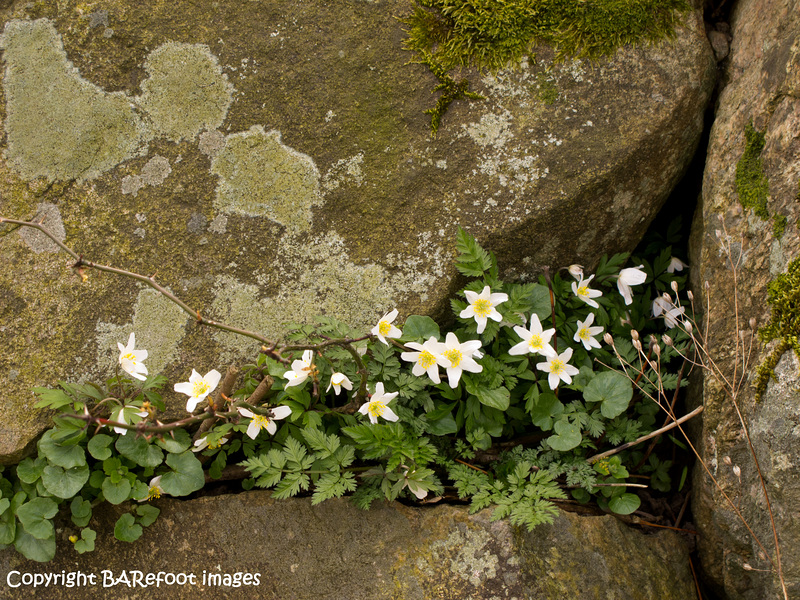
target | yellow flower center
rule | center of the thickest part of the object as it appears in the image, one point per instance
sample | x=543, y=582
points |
x=384, y=327
x=583, y=290
x=129, y=357
x=199, y=388
x=261, y=421
x=153, y=492
x=535, y=342
x=482, y=307
x=584, y=333
x=556, y=366
x=454, y=356
x=376, y=408
x=426, y=359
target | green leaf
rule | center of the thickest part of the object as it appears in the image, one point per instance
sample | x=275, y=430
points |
x=472, y=260
x=54, y=399
x=420, y=328
x=35, y=549
x=445, y=426
x=86, y=543
x=613, y=390
x=126, y=529
x=36, y=516
x=81, y=511
x=139, y=450
x=63, y=455
x=498, y=398
x=147, y=514
x=98, y=446
x=65, y=483
x=186, y=475
x=567, y=436
x=543, y=409
x=177, y=444
x=30, y=470
x=116, y=492
x=624, y=504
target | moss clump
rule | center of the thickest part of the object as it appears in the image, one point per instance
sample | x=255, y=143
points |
x=783, y=296
x=779, y=223
x=451, y=91
x=751, y=183
x=492, y=33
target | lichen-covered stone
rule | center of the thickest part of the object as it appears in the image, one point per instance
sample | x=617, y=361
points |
x=391, y=552
x=750, y=187
x=269, y=164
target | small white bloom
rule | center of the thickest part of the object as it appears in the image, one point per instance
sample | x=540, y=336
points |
x=581, y=290
x=585, y=333
x=154, y=489
x=259, y=422
x=202, y=444
x=627, y=278
x=413, y=486
x=300, y=370
x=425, y=360
x=558, y=368
x=482, y=307
x=533, y=339
x=197, y=388
x=125, y=413
x=385, y=329
x=376, y=407
x=457, y=357
x=339, y=381
x=576, y=271
x=131, y=359
x=671, y=313
x=676, y=264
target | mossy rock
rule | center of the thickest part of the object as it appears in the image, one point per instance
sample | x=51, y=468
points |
x=270, y=163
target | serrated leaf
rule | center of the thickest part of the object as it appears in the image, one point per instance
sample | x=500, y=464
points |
x=186, y=475
x=472, y=260
x=65, y=483
x=35, y=516
x=126, y=529
x=49, y=398
x=139, y=450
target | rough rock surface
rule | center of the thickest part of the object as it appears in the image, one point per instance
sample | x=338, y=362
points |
x=335, y=551
x=273, y=163
x=762, y=87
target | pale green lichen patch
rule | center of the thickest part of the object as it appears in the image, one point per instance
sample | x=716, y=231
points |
x=159, y=325
x=259, y=176
x=59, y=125
x=154, y=172
x=186, y=91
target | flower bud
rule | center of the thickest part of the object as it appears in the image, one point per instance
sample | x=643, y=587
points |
x=690, y=295
x=727, y=460
x=688, y=326
x=576, y=271
x=737, y=471
x=674, y=286
x=667, y=297
x=608, y=339
x=706, y=284
x=747, y=567
x=634, y=334
x=666, y=339
x=637, y=344
x=752, y=322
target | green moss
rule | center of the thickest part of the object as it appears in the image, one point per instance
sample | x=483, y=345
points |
x=779, y=223
x=451, y=91
x=186, y=91
x=751, y=183
x=546, y=90
x=783, y=296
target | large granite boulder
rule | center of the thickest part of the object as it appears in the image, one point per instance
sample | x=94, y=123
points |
x=335, y=551
x=270, y=161
x=750, y=205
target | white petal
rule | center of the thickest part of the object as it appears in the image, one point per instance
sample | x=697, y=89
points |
x=281, y=412
x=389, y=415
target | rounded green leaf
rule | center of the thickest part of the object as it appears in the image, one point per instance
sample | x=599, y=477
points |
x=65, y=483
x=35, y=549
x=546, y=407
x=63, y=455
x=614, y=390
x=139, y=450
x=35, y=517
x=498, y=398
x=420, y=328
x=126, y=529
x=147, y=514
x=567, y=436
x=86, y=543
x=81, y=511
x=30, y=470
x=116, y=492
x=99, y=446
x=624, y=504
x=176, y=443
x=186, y=475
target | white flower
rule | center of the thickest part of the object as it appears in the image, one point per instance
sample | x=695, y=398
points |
x=426, y=359
x=457, y=357
x=482, y=307
x=582, y=291
x=413, y=486
x=385, y=329
x=376, y=407
x=300, y=370
x=533, y=339
x=662, y=306
x=259, y=422
x=339, y=381
x=131, y=360
x=627, y=278
x=154, y=489
x=576, y=271
x=197, y=388
x=676, y=264
x=202, y=444
x=558, y=368
x=123, y=413
x=586, y=333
